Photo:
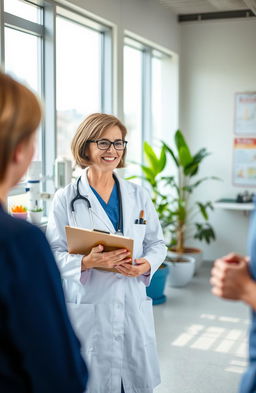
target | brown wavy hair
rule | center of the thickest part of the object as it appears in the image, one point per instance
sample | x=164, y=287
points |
x=20, y=115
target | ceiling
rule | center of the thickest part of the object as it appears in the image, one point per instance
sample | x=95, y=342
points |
x=180, y=7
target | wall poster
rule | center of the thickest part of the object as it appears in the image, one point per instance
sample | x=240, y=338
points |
x=245, y=114
x=244, y=162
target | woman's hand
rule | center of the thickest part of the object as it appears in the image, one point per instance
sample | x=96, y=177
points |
x=110, y=259
x=142, y=266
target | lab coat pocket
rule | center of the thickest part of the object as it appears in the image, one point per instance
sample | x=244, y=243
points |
x=82, y=317
x=139, y=231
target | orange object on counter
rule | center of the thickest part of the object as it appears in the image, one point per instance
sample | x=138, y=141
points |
x=18, y=209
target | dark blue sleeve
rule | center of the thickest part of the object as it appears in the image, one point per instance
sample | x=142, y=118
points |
x=37, y=317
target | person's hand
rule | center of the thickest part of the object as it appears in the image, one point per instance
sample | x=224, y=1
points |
x=142, y=266
x=230, y=277
x=235, y=258
x=99, y=258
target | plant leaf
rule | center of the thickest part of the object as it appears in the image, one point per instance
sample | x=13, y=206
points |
x=151, y=157
x=170, y=151
x=185, y=156
x=162, y=159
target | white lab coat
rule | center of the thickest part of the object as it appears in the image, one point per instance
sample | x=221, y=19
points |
x=111, y=313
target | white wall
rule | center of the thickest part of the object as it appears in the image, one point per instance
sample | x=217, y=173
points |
x=147, y=18
x=218, y=58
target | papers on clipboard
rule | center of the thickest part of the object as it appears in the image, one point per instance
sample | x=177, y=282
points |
x=81, y=241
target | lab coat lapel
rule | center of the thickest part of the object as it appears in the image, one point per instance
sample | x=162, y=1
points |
x=128, y=200
x=97, y=209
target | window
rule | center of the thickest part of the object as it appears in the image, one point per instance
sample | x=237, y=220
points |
x=157, y=119
x=25, y=68
x=148, y=89
x=66, y=55
x=80, y=70
x=23, y=10
x=161, y=97
x=66, y=58
x=23, y=48
x=133, y=106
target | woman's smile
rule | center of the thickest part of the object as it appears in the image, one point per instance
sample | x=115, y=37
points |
x=109, y=158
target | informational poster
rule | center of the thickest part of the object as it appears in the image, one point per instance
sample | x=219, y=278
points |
x=244, y=165
x=245, y=114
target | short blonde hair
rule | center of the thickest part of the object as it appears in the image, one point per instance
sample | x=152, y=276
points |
x=92, y=128
x=20, y=115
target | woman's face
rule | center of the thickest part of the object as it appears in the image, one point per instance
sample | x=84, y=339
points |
x=106, y=160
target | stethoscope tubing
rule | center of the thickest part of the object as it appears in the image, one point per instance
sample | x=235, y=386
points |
x=85, y=198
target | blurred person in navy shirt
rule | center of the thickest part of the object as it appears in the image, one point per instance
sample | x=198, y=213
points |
x=39, y=351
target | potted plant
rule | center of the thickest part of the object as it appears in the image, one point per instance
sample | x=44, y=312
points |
x=35, y=215
x=151, y=172
x=171, y=195
x=187, y=218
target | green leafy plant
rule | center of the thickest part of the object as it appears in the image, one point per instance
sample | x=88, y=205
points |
x=37, y=210
x=182, y=217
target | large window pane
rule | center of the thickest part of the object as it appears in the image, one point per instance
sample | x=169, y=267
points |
x=23, y=62
x=164, y=98
x=22, y=57
x=157, y=103
x=133, y=105
x=23, y=10
x=78, y=78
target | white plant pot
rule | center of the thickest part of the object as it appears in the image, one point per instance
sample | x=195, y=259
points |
x=35, y=217
x=195, y=253
x=199, y=259
x=180, y=273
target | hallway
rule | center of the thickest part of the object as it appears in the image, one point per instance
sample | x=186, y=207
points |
x=202, y=340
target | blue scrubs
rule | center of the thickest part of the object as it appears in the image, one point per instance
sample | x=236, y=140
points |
x=39, y=351
x=112, y=207
x=248, y=383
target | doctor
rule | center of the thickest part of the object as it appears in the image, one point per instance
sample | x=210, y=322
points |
x=111, y=312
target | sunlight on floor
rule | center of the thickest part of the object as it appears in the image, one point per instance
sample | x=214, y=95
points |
x=217, y=339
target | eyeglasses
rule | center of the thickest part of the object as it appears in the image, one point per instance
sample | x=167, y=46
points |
x=104, y=144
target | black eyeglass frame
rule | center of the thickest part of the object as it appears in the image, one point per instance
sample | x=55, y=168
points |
x=109, y=142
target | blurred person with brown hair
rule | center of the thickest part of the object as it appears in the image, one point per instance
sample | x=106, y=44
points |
x=39, y=351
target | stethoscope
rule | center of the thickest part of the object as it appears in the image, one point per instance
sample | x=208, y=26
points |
x=85, y=198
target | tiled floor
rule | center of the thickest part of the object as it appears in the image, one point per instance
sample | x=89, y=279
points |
x=202, y=340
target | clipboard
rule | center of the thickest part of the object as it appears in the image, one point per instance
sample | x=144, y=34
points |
x=81, y=241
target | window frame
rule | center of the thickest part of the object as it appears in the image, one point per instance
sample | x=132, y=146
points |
x=47, y=31
x=35, y=29
x=149, y=51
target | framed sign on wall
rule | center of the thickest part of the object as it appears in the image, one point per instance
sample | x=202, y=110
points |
x=245, y=114
x=244, y=162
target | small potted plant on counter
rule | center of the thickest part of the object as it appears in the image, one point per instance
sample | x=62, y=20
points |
x=35, y=215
